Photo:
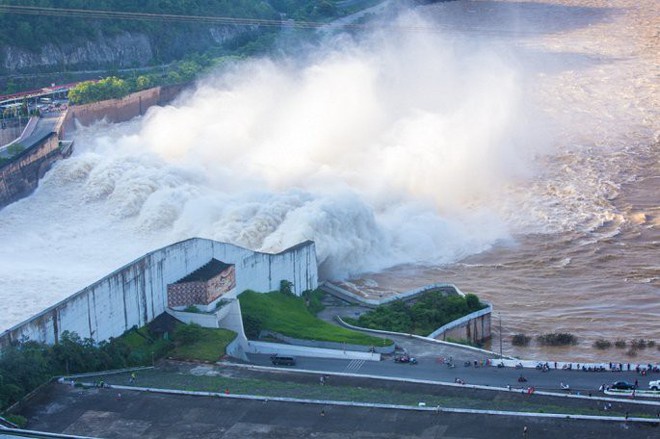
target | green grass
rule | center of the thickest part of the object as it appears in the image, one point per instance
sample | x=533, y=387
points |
x=287, y=315
x=210, y=347
x=283, y=387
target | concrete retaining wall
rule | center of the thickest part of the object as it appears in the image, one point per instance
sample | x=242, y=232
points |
x=330, y=345
x=121, y=110
x=262, y=347
x=137, y=293
x=474, y=327
x=201, y=319
x=20, y=177
x=351, y=297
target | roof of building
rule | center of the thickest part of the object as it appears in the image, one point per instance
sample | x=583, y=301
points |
x=163, y=323
x=206, y=272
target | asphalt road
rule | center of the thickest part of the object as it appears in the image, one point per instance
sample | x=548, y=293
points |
x=428, y=368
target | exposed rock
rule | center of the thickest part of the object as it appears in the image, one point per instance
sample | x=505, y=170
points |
x=122, y=50
x=118, y=51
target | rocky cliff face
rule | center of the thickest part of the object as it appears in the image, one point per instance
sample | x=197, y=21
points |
x=118, y=51
x=124, y=50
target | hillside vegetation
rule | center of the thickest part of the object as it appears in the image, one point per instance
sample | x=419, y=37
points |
x=32, y=32
x=287, y=314
x=429, y=312
x=65, y=45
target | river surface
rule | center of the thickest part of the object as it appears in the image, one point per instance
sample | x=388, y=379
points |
x=508, y=147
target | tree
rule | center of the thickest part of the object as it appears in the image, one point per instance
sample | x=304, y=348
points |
x=286, y=287
x=472, y=302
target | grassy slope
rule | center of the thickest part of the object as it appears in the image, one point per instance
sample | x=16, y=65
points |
x=210, y=347
x=288, y=315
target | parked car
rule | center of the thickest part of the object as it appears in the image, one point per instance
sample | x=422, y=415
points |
x=654, y=385
x=279, y=360
x=622, y=385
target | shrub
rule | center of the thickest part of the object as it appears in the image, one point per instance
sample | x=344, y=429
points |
x=313, y=300
x=601, y=343
x=19, y=420
x=651, y=343
x=188, y=334
x=192, y=308
x=473, y=302
x=430, y=311
x=220, y=303
x=286, y=287
x=620, y=344
x=520, y=340
x=252, y=326
x=638, y=344
x=632, y=352
x=557, y=339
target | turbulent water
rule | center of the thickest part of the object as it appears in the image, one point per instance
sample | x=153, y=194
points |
x=511, y=148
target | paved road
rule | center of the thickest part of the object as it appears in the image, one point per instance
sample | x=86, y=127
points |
x=428, y=369
x=44, y=127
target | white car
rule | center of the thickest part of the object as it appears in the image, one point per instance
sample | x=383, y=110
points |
x=654, y=385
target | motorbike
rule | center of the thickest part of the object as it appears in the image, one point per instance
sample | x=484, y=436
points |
x=522, y=379
x=405, y=359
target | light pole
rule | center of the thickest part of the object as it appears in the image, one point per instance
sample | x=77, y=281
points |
x=500, y=316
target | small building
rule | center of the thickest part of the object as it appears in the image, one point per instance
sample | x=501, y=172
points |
x=202, y=288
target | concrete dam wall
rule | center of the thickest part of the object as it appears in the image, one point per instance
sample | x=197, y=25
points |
x=121, y=110
x=136, y=293
x=20, y=177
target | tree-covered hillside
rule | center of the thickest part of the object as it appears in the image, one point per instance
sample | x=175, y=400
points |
x=58, y=41
x=33, y=31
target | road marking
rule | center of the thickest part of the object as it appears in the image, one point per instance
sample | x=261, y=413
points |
x=354, y=365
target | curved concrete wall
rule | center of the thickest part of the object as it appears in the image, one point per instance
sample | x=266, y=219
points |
x=137, y=292
x=474, y=327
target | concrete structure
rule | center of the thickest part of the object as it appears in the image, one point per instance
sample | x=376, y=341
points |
x=44, y=140
x=203, y=287
x=43, y=146
x=124, y=109
x=136, y=293
x=474, y=327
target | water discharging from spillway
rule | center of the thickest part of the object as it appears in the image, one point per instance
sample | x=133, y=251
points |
x=508, y=147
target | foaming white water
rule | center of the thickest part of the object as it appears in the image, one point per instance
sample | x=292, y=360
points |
x=381, y=150
x=404, y=147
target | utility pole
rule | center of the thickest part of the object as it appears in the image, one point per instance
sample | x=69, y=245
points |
x=500, y=315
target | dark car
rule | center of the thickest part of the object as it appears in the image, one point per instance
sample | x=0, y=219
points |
x=279, y=360
x=622, y=385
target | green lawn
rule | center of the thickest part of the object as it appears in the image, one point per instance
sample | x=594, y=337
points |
x=286, y=314
x=210, y=346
